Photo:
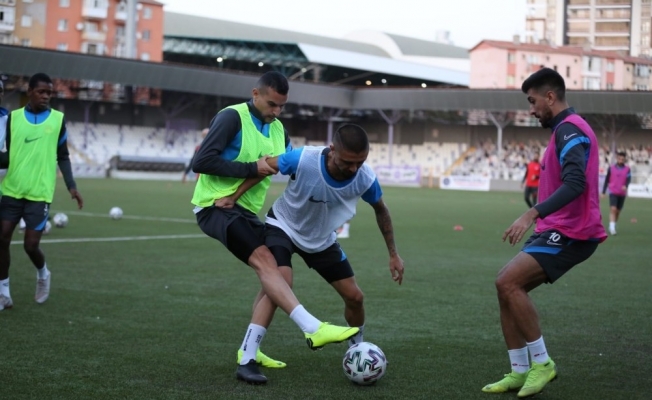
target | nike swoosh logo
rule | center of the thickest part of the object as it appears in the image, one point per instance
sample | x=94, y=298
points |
x=31, y=140
x=569, y=136
x=313, y=200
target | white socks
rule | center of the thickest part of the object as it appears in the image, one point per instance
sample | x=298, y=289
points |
x=42, y=273
x=519, y=360
x=4, y=287
x=538, y=351
x=305, y=320
x=345, y=228
x=357, y=338
x=612, y=226
x=251, y=342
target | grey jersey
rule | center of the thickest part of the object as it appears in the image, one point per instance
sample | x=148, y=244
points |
x=311, y=208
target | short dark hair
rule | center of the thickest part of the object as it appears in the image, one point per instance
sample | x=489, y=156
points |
x=39, y=77
x=622, y=154
x=352, y=138
x=274, y=80
x=546, y=79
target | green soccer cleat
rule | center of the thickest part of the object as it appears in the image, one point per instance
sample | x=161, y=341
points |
x=263, y=360
x=511, y=382
x=537, y=377
x=328, y=333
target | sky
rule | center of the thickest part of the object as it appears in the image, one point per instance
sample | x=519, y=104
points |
x=468, y=21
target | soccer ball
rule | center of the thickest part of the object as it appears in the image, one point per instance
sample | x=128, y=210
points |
x=48, y=228
x=60, y=220
x=115, y=213
x=364, y=363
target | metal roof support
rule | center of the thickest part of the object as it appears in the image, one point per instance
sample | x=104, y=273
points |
x=391, y=121
x=501, y=120
x=334, y=113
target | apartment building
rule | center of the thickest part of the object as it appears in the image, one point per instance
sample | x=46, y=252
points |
x=610, y=25
x=504, y=65
x=85, y=26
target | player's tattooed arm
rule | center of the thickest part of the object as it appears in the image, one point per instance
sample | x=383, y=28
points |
x=384, y=221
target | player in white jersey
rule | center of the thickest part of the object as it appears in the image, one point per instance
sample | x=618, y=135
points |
x=324, y=188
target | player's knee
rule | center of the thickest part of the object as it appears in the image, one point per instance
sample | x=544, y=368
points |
x=504, y=286
x=354, y=299
x=262, y=260
x=5, y=241
x=31, y=246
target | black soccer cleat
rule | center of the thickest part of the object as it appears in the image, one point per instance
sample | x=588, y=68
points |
x=250, y=373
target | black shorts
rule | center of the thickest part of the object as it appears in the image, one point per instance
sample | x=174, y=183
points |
x=35, y=213
x=531, y=190
x=616, y=201
x=331, y=263
x=237, y=228
x=556, y=253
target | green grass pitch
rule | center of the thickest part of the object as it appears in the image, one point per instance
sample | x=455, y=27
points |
x=163, y=318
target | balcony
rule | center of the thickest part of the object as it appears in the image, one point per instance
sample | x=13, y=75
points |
x=89, y=11
x=93, y=36
x=11, y=3
x=7, y=26
x=121, y=15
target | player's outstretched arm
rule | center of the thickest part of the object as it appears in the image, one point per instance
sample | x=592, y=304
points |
x=384, y=221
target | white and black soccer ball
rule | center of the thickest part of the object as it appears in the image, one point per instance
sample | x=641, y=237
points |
x=60, y=220
x=48, y=228
x=364, y=363
x=115, y=213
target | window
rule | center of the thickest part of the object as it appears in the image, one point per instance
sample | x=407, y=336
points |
x=642, y=71
x=641, y=87
x=26, y=21
x=2, y=15
x=144, y=56
x=146, y=34
x=63, y=25
x=610, y=86
x=510, y=80
x=567, y=72
x=511, y=58
x=554, y=67
x=610, y=66
x=62, y=46
x=64, y=3
x=147, y=13
x=26, y=42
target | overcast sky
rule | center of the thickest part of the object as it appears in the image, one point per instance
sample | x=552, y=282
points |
x=468, y=21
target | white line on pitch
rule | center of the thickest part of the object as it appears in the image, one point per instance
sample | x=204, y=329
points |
x=117, y=239
x=137, y=217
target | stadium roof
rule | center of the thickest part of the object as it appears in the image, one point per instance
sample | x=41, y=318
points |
x=25, y=61
x=425, y=48
x=190, y=26
x=325, y=50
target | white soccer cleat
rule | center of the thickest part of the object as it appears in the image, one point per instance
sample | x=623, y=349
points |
x=42, y=289
x=5, y=302
x=612, y=232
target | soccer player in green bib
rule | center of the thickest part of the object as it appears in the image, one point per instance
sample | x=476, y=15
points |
x=240, y=139
x=36, y=144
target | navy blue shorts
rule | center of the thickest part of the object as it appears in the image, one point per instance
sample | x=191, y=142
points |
x=556, y=253
x=330, y=263
x=35, y=213
x=616, y=201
